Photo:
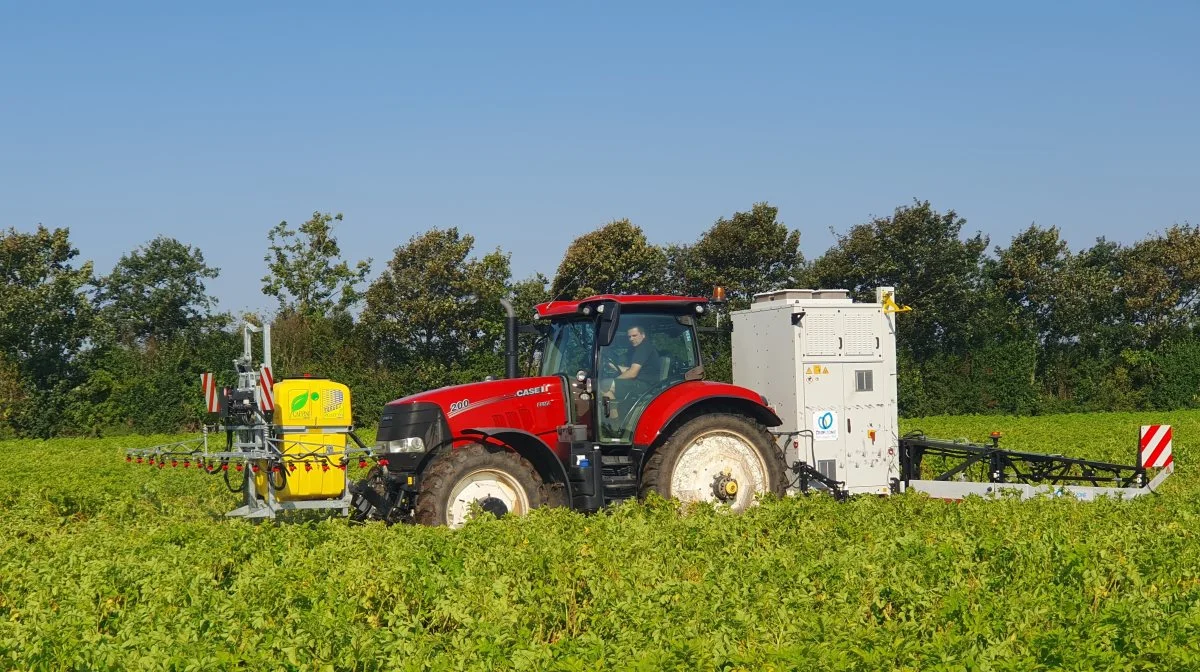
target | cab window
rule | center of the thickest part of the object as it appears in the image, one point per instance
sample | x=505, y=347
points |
x=568, y=348
x=665, y=351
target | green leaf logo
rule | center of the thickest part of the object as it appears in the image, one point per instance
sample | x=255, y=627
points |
x=299, y=401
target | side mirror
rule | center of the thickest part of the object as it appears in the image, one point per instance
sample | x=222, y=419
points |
x=610, y=314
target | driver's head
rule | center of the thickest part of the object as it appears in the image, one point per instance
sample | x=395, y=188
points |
x=636, y=335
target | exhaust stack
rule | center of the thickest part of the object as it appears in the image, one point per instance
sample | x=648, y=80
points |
x=510, y=340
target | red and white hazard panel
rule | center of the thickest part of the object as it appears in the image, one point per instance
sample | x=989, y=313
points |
x=266, y=389
x=209, y=386
x=1155, y=446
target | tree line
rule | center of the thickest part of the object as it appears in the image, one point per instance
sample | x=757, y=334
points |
x=1031, y=327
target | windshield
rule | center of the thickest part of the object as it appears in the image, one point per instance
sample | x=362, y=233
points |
x=569, y=348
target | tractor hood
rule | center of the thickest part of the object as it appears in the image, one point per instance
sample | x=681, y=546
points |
x=535, y=406
x=494, y=396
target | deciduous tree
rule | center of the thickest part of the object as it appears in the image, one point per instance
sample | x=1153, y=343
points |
x=614, y=259
x=920, y=252
x=436, y=303
x=44, y=318
x=306, y=271
x=157, y=291
x=747, y=253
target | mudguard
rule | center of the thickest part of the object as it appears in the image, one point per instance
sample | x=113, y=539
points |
x=678, y=399
x=528, y=446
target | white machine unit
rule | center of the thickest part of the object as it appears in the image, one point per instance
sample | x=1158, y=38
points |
x=827, y=365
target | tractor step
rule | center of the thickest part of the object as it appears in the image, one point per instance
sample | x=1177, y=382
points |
x=618, y=474
x=602, y=475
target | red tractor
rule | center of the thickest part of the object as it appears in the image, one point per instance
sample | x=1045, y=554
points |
x=619, y=408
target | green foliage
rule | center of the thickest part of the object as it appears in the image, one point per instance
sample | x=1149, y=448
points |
x=148, y=388
x=1160, y=283
x=1177, y=371
x=1034, y=327
x=997, y=378
x=526, y=295
x=748, y=253
x=920, y=252
x=105, y=566
x=437, y=305
x=305, y=270
x=156, y=291
x=614, y=259
x=44, y=319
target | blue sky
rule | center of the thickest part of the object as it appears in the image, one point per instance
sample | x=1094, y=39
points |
x=528, y=124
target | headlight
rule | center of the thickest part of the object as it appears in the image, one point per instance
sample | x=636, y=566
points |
x=413, y=444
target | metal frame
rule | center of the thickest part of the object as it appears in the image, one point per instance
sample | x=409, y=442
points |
x=251, y=439
x=265, y=448
x=1010, y=471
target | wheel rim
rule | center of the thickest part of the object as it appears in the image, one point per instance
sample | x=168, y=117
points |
x=481, y=486
x=718, y=457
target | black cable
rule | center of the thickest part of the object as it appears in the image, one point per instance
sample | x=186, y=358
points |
x=245, y=478
x=788, y=436
x=282, y=477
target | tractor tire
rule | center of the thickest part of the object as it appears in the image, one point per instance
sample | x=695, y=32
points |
x=722, y=458
x=501, y=482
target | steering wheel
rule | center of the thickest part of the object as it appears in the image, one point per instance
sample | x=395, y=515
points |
x=608, y=365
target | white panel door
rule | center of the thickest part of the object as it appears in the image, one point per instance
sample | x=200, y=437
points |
x=870, y=454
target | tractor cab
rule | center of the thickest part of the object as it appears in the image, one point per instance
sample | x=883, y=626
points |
x=619, y=354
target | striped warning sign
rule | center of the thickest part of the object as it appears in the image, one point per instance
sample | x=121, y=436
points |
x=209, y=387
x=266, y=389
x=1155, y=446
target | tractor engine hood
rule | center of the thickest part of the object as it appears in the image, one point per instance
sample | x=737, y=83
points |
x=412, y=426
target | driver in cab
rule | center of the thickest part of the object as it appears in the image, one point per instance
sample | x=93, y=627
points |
x=643, y=367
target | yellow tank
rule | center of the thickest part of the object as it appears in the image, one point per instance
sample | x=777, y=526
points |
x=311, y=414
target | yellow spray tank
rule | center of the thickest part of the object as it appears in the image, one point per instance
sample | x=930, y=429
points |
x=312, y=420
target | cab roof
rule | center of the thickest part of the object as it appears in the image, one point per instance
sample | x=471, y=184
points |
x=662, y=301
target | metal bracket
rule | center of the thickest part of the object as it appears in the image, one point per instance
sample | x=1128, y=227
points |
x=890, y=306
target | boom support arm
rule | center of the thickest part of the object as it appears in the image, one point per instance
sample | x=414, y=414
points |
x=1030, y=474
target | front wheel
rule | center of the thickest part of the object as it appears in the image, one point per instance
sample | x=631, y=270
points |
x=499, y=481
x=722, y=458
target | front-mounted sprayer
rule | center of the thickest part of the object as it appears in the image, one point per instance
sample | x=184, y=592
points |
x=288, y=443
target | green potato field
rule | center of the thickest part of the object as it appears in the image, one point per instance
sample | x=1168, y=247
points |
x=109, y=566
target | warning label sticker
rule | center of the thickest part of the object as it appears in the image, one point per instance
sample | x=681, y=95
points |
x=825, y=426
x=813, y=373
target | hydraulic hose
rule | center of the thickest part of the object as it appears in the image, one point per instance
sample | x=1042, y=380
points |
x=245, y=478
x=282, y=478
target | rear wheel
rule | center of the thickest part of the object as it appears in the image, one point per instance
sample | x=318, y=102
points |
x=722, y=458
x=499, y=481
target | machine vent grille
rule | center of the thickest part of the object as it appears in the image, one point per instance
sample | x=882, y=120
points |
x=821, y=329
x=860, y=338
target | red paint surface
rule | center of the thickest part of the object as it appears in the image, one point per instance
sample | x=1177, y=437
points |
x=674, y=399
x=554, y=308
x=502, y=403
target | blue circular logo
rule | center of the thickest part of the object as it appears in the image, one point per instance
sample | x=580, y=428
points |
x=826, y=420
